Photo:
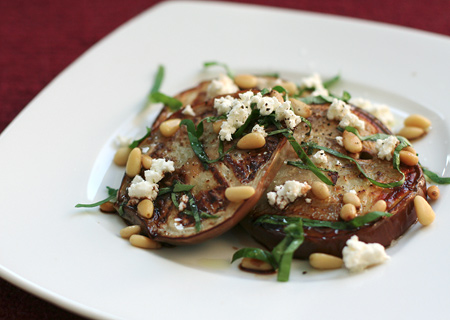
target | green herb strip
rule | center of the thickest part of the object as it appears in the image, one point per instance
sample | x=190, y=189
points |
x=337, y=225
x=112, y=194
x=196, y=145
x=435, y=177
x=328, y=83
x=220, y=64
x=135, y=143
x=172, y=103
x=264, y=91
x=255, y=253
x=158, y=80
x=251, y=120
x=301, y=165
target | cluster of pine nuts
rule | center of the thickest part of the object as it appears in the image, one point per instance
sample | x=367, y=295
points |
x=351, y=206
x=239, y=194
x=415, y=126
x=132, y=233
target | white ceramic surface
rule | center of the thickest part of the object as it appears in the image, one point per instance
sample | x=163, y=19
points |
x=58, y=152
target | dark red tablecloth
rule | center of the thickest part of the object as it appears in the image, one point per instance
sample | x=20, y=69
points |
x=38, y=39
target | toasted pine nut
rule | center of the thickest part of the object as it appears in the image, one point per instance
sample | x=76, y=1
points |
x=300, y=108
x=320, y=190
x=351, y=142
x=416, y=120
x=290, y=87
x=253, y=140
x=245, y=81
x=238, y=194
x=169, y=127
x=348, y=212
x=107, y=207
x=425, y=213
x=411, y=132
x=325, y=261
x=410, y=149
x=217, y=126
x=277, y=95
x=256, y=265
x=145, y=208
x=433, y=192
x=146, y=161
x=127, y=232
x=352, y=198
x=121, y=156
x=408, y=158
x=143, y=242
x=134, y=163
x=380, y=205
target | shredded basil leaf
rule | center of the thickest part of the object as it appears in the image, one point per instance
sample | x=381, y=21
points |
x=435, y=177
x=135, y=143
x=220, y=64
x=328, y=83
x=158, y=80
x=301, y=165
x=280, y=89
x=264, y=91
x=252, y=118
x=316, y=99
x=112, y=194
x=178, y=187
x=255, y=253
x=172, y=103
x=196, y=145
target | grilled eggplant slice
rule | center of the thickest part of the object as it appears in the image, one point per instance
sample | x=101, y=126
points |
x=255, y=168
x=347, y=177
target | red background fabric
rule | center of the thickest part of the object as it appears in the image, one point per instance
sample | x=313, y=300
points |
x=38, y=39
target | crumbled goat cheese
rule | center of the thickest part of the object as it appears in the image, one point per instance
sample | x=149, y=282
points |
x=257, y=128
x=149, y=188
x=358, y=255
x=352, y=191
x=122, y=141
x=287, y=193
x=340, y=140
x=188, y=111
x=239, y=109
x=183, y=202
x=308, y=200
x=386, y=147
x=381, y=111
x=223, y=85
x=314, y=82
x=320, y=158
x=339, y=110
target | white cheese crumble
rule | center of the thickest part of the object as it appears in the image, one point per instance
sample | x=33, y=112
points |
x=183, y=202
x=339, y=110
x=238, y=110
x=320, y=158
x=122, y=141
x=220, y=86
x=308, y=200
x=358, y=255
x=149, y=188
x=381, y=111
x=386, y=147
x=314, y=82
x=258, y=129
x=188, y=111
x=340, y=140
x=287, y=193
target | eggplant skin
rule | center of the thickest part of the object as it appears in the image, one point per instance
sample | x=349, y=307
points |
x=326, y=240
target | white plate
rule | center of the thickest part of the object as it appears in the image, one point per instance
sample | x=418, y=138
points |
x=58, y=153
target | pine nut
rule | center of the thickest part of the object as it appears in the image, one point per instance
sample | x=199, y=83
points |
x=277, y=95
x=352, y=198
x=351, y=142
x=408, y=158
x=146, y=161
x=169, y=127
x=245, y=81
x=433, y=192
x=238, y=194
x=290, y=87
x=380, y=205
x=217, y=126
x=107, y=207
x=320, y=190
x=256, y=265
x=411, y=133
x=145, y=208
x=410, y=149
x=323, y=261
x=416, y=120
x=143, y=242
x=127, y=232
x=348, y=212
x=121, y=156
x=253, y=140
x=425, y=213
x=134, y=163
x=300, y=108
